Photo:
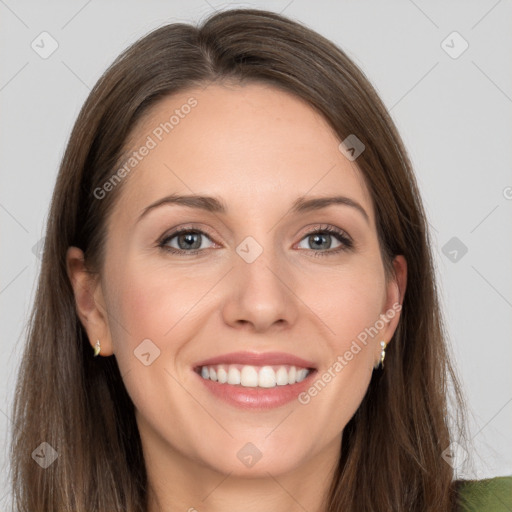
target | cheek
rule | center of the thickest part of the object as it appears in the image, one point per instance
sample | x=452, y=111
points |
x=157, y=304
x=348, y=306
x=347, y=302
x=154, y=319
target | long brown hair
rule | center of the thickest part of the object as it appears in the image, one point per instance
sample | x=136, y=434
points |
x=392, y=448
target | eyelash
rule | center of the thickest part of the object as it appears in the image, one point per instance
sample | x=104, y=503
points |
x=341, y=236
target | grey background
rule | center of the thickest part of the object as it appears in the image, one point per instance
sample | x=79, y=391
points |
x=454, y=115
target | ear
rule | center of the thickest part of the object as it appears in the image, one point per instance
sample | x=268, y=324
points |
x=395, y=291
x=89, y=300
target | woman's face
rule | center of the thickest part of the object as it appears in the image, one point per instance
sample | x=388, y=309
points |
x=260, y=276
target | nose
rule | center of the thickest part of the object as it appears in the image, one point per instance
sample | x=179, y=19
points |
x=260, y=294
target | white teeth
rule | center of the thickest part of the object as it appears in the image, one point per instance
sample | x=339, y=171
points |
x=233, y=375
x=254, y=376
x=222, y=375
x=281, y=376
x=301, y=375
x=267, y=377
x=249, y=376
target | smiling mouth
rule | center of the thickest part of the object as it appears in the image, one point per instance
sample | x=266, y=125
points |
x=250, y=376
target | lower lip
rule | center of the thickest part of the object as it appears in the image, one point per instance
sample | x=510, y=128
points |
x=257, y=398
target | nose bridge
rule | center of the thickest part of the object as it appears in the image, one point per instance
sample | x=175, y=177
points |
x=259, y=263
x=260, y=292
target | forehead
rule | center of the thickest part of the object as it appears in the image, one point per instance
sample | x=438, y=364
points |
x=249, y=144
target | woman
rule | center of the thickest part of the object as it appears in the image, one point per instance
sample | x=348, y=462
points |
x=202, y=349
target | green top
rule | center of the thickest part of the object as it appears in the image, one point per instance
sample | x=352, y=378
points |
x=488, y=495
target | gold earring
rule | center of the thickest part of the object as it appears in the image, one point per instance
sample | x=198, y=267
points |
x=382, y=356
x=97, y=348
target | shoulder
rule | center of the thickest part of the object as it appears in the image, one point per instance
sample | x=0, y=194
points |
x=488, y=495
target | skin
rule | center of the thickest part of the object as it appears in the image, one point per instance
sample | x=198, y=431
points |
x=258, y=149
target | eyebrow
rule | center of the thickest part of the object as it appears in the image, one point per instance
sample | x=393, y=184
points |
x=215, y=205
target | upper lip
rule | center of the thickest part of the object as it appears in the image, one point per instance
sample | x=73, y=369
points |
x=257, y=359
